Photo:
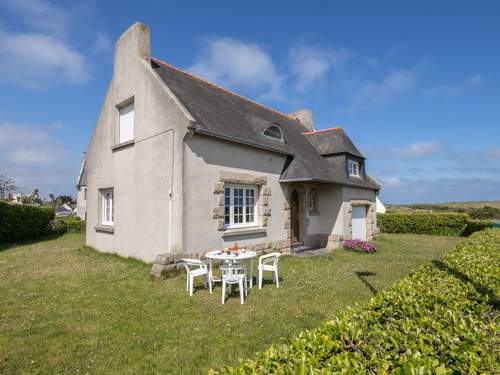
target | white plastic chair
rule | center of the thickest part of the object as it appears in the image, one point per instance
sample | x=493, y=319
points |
x=268, y=262
x=195, y=268
x=232, y=275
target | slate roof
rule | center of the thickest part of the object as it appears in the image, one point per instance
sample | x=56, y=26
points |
x=221, y=113
x=333, y=141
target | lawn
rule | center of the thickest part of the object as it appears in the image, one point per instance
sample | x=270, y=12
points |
x=68, y=309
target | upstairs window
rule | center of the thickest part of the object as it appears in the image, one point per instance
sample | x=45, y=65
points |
x=353, y=168
x=239, y=206
x=126, y=123
x=274, y=132
x=107, y=217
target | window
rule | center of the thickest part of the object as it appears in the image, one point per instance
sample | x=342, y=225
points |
x=107, y=207
x=274, y=131
x=313, y=200
x=85, y=193
x=239, y=206
x=353, y=168
x=126, y=123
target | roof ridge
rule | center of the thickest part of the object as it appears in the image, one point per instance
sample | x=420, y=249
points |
x=161, y=62
x=322, y=130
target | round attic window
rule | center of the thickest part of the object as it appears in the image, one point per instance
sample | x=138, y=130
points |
x=274, y=131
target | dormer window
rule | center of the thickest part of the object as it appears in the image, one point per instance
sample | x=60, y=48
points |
x=353, y=168
x=274, y=132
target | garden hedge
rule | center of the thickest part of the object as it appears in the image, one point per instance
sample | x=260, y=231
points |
x=21, y=222
x=442, y=319
x=71, y=224
x=435, y=223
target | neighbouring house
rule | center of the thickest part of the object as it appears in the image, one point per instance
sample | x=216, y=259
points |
x=81, y=191
x=65, y=209
x=177, y=165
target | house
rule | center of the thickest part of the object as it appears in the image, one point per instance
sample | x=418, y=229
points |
x=178, y=165
x=81, y=191
x=380, y=207
x=65, y=209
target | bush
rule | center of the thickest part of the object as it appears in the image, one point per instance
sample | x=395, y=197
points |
x=72, y=224
x=441, y=319
x=441, y=224
x=20, y=222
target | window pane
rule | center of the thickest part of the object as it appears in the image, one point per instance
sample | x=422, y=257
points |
x=227, y=206
x=238, y=205
x=250, y=205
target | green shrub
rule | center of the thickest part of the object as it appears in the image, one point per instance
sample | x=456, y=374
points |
x=441, y=224
x=442, y=319
x=20, y=222
x=433, y=223
x=72, y=224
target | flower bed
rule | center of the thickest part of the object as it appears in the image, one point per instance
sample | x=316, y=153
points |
x=361, y=246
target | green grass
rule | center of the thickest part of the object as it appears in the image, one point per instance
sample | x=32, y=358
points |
x=69, y=309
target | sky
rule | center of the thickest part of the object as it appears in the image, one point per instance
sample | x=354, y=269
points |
x=414, y=84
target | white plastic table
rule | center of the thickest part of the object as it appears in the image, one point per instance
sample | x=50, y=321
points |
x=242, y=255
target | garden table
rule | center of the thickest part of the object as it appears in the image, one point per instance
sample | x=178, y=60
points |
x=230, y=259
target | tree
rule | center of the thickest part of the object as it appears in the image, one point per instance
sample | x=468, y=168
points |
x=7, y=187
x=33, y=198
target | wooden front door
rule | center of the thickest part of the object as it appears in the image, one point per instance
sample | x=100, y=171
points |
x=294, y=216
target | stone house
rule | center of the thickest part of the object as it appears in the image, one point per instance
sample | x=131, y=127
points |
x=178, y=165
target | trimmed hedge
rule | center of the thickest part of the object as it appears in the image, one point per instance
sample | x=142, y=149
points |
x=71, y=224
x=20, y=222
x=435, y=223
x=442, y=319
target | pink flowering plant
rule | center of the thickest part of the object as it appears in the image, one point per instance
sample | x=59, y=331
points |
x=361, y=246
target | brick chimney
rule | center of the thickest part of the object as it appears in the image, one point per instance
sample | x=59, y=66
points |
x=305, y=117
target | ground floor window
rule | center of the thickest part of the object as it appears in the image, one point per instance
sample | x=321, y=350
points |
x=107, y=213
x=239, y=206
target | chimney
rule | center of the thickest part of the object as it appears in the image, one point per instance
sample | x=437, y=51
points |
x=305, y=117
x=133, y=43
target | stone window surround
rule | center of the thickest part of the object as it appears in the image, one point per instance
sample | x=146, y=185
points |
x=264, y=192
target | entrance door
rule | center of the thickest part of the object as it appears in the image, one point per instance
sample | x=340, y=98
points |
x=294, y=216
x=359, y=223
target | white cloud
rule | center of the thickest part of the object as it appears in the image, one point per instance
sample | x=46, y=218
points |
x=233, y=63
x=37, y=60
x=310, y=65
x=102, y=43
x=417, y=150
x=27, y=145
x=41, y=15
x=468, y=83
x=375, y=94
x=391, y=182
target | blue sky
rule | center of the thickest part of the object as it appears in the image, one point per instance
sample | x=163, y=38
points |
x=415, y=85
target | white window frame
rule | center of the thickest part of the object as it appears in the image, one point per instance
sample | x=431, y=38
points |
x=245, y=223
x=126, y=122
x=107, y=201
x=353, y=168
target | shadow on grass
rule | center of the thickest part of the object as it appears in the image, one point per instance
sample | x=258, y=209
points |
x=31, y=241
x=362, y=275
x=493, y=299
